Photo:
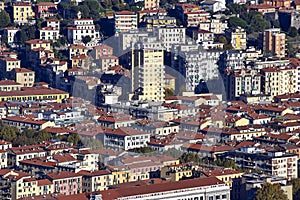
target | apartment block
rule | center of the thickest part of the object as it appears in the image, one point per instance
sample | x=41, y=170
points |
x=24, y=76
x=196, y=65
x=10, y=33
x=82, y=28
x=125, y=138
x=242, y=82
x=150, y=4
x=66, y=183
x=125, y=21
x=274, y=43
x=239, y=39
x=199, y=188
x=148, y=71
x=23, y=13
x=271, y=162
x=170, y=35
x=49, y=33
x=246, y=186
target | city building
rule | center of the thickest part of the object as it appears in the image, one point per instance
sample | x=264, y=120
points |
x=66, y=183
x=49, y=33
x=23, y=13
x=125, y=138
x=23, y=76
x=270, y=162
x=199, y=188
x=148, y=71
x=10, y=34
x=150, y=4
x=245, y=187
x=82, y=28
x=239, y=39
x=274, y=43
x=125, y=21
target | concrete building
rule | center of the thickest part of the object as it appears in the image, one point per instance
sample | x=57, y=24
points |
x=246, y=186
x=148, y=71
x=274, y=43
x=82, y=28
x=150, y=4
x=242, y=82
x=49, y=33
x=199, y=188
x=196, y=65
x=270, y=162
x=125, y=138
x=203, y=35
x=239, y=39
x=10, y=34
x=23, y=13
x=171, y=35
x=125, y=21
x=24, y=76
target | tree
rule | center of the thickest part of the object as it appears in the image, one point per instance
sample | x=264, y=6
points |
x=169, y=92
x=270, y=192
x=86, y=39
x=296, y=188
x=4, y=19
x=8, y=133
x=189, y=157
x=222, y=39
x=234, y=22
x=293, y=32
x=74, y=138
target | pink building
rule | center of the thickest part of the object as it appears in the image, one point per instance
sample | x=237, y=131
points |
x=46, y=9
x=102, y=50
x=66, y=183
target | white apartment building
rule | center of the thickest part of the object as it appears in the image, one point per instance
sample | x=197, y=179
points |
x=49, y=33
x=242, y=82
x=148, y=71
x=81, y=28
x=10, y=33
x=55, y=23
x=197, y=65
x=170, y=35
x=125, y=21
x=125, y=138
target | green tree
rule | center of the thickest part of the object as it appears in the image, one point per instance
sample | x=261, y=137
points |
x=86, y=39
x=270, y=192
x=94, y=144
x=293, y=32
x=189, y=157
x=169, y=92
x=234, y=22
x=4, y=19
x=74, y=138
x=296, y=188
x=222, y=39
x=8, y=133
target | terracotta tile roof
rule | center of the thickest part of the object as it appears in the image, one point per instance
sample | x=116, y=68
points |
x=8, y=82
x=160, y=187
x=44, y=182
x=22, y=70
x=125, y=12
x=24, y=120
x=32, y=91
x=220, y=172
x=62, y=175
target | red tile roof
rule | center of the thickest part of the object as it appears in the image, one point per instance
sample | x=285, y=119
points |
x=160, y=187
x=62, y=175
